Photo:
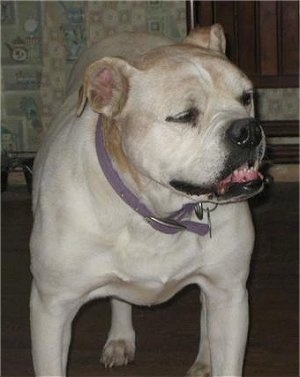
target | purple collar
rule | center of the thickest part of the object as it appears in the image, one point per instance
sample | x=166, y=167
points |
x=170, y=225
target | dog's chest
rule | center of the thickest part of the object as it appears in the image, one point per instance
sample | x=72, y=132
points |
x=141, y=291
x=149, y=271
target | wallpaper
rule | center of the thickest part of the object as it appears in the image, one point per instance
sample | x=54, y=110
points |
x=41, y=40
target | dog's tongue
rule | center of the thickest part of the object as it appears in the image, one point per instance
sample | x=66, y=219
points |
x=242, y=175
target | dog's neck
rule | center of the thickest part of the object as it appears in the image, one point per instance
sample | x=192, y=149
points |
x=156, y=194
x=112, y=144
x=108, y=147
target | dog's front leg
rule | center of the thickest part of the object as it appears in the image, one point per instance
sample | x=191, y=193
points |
x=120, y=345
x=224, y=329
x=201, y=367
x=227, y=324
x=50, y=333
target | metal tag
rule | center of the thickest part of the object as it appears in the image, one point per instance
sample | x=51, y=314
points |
x=209, y=221
x=199, y=211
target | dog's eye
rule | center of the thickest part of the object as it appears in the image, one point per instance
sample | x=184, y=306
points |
x=188, y=116
x=246, y=98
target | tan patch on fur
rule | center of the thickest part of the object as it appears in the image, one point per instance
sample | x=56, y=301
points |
x=113, y=145
x=212, y=38
x=199, y=37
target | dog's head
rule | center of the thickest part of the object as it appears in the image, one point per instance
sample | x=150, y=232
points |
x=185, y=117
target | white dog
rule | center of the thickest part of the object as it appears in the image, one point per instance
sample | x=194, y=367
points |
x=141, y=191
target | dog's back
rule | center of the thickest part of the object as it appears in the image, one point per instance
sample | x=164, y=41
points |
x=125, y=45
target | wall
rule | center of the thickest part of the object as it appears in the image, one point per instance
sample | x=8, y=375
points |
x=41, y=41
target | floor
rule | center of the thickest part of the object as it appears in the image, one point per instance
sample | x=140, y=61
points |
x=167, y=335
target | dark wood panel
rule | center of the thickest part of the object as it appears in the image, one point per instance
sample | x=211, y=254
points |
x=206, y=12
x=246, y=40
x=282, y=128
x=262, y=37
x=290, y=37
x=224, y=11
x=282, y=81
x=268, y=38
x=282, y=153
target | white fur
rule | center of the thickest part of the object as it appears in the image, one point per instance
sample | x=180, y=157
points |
x=87, y=243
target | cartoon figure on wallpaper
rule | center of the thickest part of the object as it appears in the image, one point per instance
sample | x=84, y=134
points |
x=143, y=190
x=30, y=110
x=73, y=30
x=74, y=40
x=7, y=12
x=18, y=50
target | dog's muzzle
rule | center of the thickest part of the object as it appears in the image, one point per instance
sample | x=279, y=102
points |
x=240, y=178
x=245, y=133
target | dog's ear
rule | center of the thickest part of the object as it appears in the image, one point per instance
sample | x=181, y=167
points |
x=105, y=86
x=211, y=37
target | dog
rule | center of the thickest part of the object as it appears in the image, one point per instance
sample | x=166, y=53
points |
x=140, y=189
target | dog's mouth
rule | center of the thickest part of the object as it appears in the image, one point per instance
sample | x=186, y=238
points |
x=241, y=183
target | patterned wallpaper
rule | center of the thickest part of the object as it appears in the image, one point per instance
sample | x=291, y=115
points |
x=41, y=41
x=21, y=58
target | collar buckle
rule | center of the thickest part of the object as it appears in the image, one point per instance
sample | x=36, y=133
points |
x=165, y=222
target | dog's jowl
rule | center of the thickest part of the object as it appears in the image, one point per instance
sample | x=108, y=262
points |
x=141, y=188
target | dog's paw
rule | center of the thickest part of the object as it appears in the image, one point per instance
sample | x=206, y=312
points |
x=198, y=370
x=117, y=353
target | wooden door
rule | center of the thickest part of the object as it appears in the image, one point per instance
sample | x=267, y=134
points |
x=263, y=40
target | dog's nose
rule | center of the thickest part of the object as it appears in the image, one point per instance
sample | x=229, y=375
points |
x=245, y=133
